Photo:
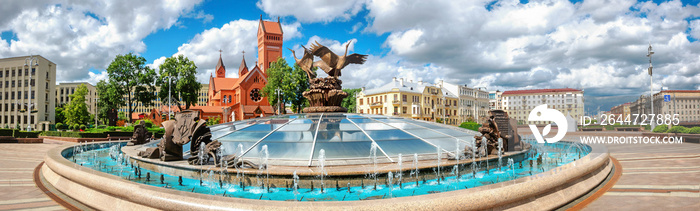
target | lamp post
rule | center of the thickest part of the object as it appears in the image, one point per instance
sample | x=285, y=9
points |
x=170, y=112
x=278, y=92
x=651, y=84
x=31, y=62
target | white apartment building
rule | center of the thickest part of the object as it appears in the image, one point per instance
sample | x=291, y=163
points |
x=473, y=102
x=495, y=101
x=519, y=103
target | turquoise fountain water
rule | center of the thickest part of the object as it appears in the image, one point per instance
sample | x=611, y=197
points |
x=107, y=157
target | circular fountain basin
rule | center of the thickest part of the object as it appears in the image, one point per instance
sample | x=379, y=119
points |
x=528, y=178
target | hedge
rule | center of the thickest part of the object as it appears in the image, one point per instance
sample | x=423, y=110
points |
x=677, y=129
x=73, y=134
x=470, y=125
x=6, y=132
x=660, y=129
x=25, y=134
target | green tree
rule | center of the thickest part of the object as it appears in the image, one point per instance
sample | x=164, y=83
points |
x=59, y=113
x=184, y=83
x=110, y=97
x=214, y=120
x=350, y=101
x=298, y=83
x=278, y=78
x=129, y=74
x=76, y=111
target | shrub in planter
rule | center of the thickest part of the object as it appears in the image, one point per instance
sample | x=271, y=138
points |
x=677, y=129
x=694, y=130
x=660, y=129
x=83, y=127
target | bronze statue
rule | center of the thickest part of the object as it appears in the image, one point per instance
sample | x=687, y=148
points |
x=491, y=132
x=326, y=94
x=186, y=128
x=306, y=62
x=140, y=135
x=335, y=62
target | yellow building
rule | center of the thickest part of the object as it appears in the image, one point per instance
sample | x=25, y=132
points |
x=64, y=90
x=22, y=84
x=408, y=99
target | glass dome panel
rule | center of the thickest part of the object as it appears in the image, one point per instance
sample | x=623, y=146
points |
x=342, y=136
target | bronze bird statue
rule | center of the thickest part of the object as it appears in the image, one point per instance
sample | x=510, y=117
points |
x=306, y=62
x=335, y=62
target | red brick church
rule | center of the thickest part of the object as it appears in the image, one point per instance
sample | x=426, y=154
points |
x=241, y=98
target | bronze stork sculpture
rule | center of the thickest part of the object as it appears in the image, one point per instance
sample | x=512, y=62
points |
x=306, y=62
x=335, y=62
x=325, y=94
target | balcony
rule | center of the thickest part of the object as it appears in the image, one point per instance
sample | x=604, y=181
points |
x=396, y=102
x=375, y=104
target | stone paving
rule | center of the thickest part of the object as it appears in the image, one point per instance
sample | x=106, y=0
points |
x=654, y=177
x=17, y=188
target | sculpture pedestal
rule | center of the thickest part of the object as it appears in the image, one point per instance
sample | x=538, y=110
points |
x=321, y=109
x=325, y=95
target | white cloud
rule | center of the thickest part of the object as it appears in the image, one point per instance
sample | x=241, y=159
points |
x=232, y=38
x=312, y=10
x=80, y=35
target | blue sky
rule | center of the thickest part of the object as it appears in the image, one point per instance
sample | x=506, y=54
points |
x=594, y=45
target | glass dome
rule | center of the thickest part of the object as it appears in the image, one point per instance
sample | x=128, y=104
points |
x=298, y=138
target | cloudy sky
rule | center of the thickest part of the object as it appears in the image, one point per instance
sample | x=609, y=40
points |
x=595, y=45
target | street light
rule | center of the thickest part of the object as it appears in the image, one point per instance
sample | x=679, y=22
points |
x=30, y=62
x=278, y=92
x=651, y=83
x=170, y=112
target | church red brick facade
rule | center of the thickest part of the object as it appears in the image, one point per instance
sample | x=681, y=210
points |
x=241, y=98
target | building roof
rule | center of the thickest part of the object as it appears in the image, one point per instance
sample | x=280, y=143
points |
x=251, y=109
x=271, y=27
x=681, y=91
x=534, y=91
x=220, y=63
x=243, y=66
x=209, y=109
x=223, y=83
x=407, y=86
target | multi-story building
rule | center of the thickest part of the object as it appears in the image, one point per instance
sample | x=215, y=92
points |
x=685, y=103
x=495, y=102
x=22, y=84
x=622, y=110
x=408, y=99
x=641, y=105
x=159, y=104
x=64, y=90
x=472, y=102
x=519, y=103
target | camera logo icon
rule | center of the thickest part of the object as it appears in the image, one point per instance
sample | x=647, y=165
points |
x=542, y=113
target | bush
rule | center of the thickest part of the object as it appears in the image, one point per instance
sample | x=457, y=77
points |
x=677, y=129
x=83, y=127
x=6, y=132
x=112, y=128
x=694, y=130
x=660, y=129
x=25, y=134
x=148, y=123
x=470, y=125
x=59, y=125
x=101, y=127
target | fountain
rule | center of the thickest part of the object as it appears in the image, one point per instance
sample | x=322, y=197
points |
x=284, y=147
x=321, y=164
